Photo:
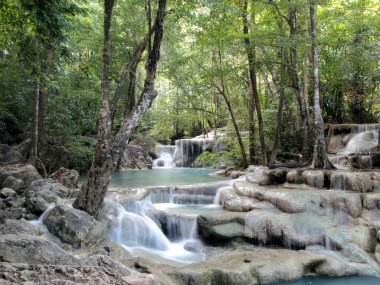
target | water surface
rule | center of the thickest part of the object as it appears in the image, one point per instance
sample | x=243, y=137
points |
x=163, y=176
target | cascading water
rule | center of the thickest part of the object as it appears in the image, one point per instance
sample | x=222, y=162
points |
x=165, y=157
x=187, y=150
x=363, y=142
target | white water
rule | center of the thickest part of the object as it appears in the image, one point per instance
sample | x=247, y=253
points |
x=363, y=142
x=138, y=230
x=165, y=157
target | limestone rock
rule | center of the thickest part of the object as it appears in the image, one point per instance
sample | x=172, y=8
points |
x=33, y=250
x=7, y=192
x=134, y=157
x=43, y=192
x=314, y=178
x=67, y=177
x=68, y=224
x=14, y=183
x=26, y=173
x=233, y=202
x=220, y=226
x=354, y=181
x=295, y=176
x=119, y=270
x=259, y=175
x=11, y=213
x=68, y=275
x=17, y=227
x=377, y=252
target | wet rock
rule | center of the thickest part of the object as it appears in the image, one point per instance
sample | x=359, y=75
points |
x=67, y=177
x=68, y=224
x=233, y=202
x=32, y=250
x=7, y=192
x=236, y=174
x=14, y=183
x=107, y=248
x=278, y=175
x=221, y=226
x=11, y=213
x=43, y=192
x=107, y=263
x=195, y=246
x=68, y=275
x=17, y=227
x=26, y=173
x=354, y=181
x=314, y=178
x=371, y=201
x=258, y=175
x=295, y=176
x=377, y=252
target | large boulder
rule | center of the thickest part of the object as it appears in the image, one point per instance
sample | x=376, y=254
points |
x=134, y=157
x=121, y=271
x=17, y=227
x=14, y=183
x=258, y=175
x=139, y=154
x=70, y=225
x=67, y=177
x=26, y=173
x=32, y=250
x=69, y=275
x=43, y=192
x=7, y=193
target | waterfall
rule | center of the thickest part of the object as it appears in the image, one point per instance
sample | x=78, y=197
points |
x=363, y=142
x=187, y=150
x=141, y=226
x=165, y=156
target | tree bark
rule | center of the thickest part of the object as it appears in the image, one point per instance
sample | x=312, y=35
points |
x=109, y=149
x=130, y=101
x=254, y=96
x=320, y=159
x=130, y=66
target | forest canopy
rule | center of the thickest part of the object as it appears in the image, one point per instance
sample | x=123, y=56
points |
x=219, y=60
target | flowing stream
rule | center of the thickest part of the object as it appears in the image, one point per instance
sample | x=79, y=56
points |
x=164, y=222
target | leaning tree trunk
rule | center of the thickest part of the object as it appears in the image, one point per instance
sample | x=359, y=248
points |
x=320, y=159
x=109, y=149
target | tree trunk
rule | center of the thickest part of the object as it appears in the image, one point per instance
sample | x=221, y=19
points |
x=295, y=71
x=130, y=66
x=254, y=96
x=131, y=95
x=320, y=159
x=109, y=149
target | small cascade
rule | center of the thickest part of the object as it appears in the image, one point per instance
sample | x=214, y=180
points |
x=338, y=182
x=363, y=142
x=138, y=230
x=180, y=228
x=187, y=150
x=165, y=157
